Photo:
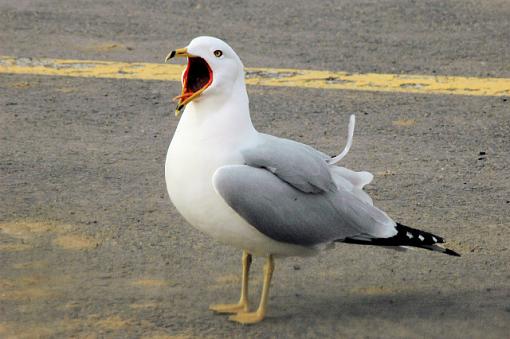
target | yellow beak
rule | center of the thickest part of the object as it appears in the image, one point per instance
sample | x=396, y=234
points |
x=185, y=96
x=180, y=52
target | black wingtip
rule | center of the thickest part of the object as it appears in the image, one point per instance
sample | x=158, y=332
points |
x=450, y=252
x=407, y=236
x=432, y=238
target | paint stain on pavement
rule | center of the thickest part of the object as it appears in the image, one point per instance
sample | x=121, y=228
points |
x=75, y=242
x=404, y=122
x=31, y=265
x=113, y=322
x=14, y=247
x=27, y=232
x=23, y=288
x=28, y=229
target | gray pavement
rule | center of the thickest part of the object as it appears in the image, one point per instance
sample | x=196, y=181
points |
x=90, y=245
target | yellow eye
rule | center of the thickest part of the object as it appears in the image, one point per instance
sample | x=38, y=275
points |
x=218, y=53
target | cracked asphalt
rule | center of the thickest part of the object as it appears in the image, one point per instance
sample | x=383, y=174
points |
x=91, y=247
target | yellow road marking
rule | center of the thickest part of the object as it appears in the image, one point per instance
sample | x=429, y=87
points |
x=438, y=84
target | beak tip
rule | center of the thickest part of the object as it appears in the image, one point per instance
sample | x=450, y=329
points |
x=170, y=56
x=178, y=110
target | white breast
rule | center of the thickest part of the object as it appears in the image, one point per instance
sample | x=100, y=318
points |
x=191, y=161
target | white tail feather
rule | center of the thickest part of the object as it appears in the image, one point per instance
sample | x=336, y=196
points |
x=352, y=122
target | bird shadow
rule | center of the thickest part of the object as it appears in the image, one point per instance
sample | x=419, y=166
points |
x=393, y=306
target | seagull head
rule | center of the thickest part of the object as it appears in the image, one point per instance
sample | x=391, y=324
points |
x=213, y=69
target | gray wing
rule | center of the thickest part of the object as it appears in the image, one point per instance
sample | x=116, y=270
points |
x=289, y=215
x=299, y=165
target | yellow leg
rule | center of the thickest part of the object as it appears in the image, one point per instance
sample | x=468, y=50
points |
x=242, y=305
x=258, y=315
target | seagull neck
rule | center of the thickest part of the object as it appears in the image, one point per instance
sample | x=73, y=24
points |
x=226, y=112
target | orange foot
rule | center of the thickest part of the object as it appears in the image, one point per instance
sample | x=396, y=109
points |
x=229, y=308
x=247, y=318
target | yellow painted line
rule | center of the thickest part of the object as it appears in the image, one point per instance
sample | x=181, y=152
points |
x=438, y=84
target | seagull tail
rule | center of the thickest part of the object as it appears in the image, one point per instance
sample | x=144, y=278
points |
x=406, y=236
x=350, y=134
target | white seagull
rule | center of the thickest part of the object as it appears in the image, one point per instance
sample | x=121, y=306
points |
x=265, y=195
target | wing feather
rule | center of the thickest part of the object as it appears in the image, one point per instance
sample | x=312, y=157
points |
x=299, y=165
x=285, y=213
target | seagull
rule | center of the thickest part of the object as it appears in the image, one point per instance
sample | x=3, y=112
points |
x=267, y=196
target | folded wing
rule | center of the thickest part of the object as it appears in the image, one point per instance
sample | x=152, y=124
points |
x=284, y=212
x=299, y=165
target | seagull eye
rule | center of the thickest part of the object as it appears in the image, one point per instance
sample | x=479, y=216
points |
x=218, y=53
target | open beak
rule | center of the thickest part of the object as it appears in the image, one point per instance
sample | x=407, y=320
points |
x=181, y=52
x=196, y=79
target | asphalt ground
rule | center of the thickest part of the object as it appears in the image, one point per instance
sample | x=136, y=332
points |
x=90, y=245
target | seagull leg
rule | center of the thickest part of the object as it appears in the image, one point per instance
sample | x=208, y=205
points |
x=258, y=315
x=242, y=306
